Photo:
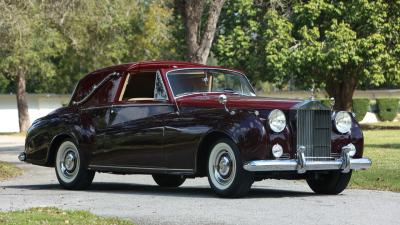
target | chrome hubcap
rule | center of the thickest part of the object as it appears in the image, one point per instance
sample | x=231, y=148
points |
x=69, y=161
x=223, y=167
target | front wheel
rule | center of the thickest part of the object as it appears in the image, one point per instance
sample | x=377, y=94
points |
x=167, y=180
x=225, y=170
x=71, y=167
x=331, y=183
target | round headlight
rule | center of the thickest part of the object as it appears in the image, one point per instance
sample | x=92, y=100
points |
x=343, y=122
x=277, y=120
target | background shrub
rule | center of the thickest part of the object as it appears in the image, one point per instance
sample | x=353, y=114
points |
x=360, y=107
x=387, y=108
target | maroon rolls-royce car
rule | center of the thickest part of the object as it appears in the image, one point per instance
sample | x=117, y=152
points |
x=179, y=120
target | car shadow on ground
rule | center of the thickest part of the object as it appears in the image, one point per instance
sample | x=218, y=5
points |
x=184, y=191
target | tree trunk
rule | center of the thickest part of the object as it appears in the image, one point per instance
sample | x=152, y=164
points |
x=198, y=44
x=22, y=103
x=342, y=91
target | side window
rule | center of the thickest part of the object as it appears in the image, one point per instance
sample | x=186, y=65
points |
x=140, y=86
x=144, y=86
x=159, y=89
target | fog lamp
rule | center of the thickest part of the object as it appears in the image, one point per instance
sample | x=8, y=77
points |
x=352, y=149
x=277, y=150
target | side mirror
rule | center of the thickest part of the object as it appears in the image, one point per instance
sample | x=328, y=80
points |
x=222, y=99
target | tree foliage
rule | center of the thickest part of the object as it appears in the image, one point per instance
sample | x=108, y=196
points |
x=28, y=43
x=73, y=37
x=336, y=45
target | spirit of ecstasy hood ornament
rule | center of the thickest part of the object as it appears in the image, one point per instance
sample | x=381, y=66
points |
x=312, y=97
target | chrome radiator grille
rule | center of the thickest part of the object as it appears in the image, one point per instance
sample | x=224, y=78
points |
x=314, y=133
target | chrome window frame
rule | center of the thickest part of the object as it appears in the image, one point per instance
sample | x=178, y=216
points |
x=159, y=77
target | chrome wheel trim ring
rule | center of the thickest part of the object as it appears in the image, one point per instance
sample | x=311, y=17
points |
x=222, y=166
x=67, y=162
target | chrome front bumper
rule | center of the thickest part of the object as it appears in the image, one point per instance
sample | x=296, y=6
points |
x=345, y=163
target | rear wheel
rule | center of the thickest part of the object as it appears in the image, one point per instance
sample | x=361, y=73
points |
x=331, y=183
x=225, y=170
x=71, y=167
x=167, y=180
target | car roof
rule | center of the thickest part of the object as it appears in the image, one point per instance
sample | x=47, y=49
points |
x=152, y=65
x=147, y=65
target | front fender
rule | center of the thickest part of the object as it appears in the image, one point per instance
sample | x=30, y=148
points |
x=248, y=132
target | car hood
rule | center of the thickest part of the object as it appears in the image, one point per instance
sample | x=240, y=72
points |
x=236, y=101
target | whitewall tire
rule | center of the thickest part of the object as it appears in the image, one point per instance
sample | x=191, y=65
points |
x=225, y=170
x=71, y=167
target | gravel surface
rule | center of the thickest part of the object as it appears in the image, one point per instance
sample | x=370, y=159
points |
x=137, y=197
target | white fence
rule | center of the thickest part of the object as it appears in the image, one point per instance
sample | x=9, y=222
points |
x=39, y=105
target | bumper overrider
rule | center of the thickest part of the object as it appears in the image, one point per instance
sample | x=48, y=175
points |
x=345, y=163
x=22, y=156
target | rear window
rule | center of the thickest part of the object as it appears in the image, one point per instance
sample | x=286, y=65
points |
x=104, y=94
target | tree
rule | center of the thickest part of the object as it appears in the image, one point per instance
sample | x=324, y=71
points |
x=27, y=46
x=199, y=35
x=255, y=36
x=340, y=45
x=392, y=45
x=52, y=44
x=335, y=45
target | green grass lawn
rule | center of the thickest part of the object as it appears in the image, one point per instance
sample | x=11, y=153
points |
x=8, y=170
x=381, y=125
x=386, y=124
x=383, y=147
x=21, y=134
x=50, y=216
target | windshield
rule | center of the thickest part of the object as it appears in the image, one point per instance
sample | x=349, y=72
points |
x=210, y=80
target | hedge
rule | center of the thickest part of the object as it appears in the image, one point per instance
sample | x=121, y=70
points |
x=387, y=108
x=360, y=107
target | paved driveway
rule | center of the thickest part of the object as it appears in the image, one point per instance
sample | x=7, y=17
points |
x=137, y=197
